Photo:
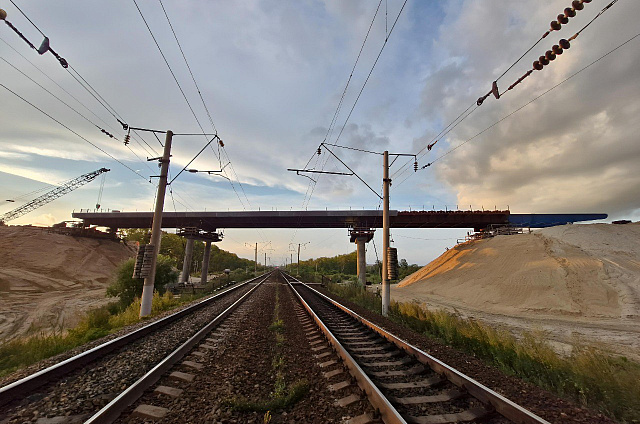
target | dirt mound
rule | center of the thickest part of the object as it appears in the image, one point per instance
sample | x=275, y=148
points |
x=572, y=273
x=46, y=278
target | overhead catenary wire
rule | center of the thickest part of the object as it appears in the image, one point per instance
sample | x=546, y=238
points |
x=72, y=108
x=337, y=111
x=440, y=136
x=84, y=83
x=529, y=102
x=170, y=69
x=313, y=184
x=189, y=68
x=555, y=51
x=72, y=131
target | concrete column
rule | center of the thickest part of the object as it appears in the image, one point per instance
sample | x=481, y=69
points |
x=188, y=255
x=205, y=262
x=362, y=260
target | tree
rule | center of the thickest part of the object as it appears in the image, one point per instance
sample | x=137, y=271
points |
x=127, y=288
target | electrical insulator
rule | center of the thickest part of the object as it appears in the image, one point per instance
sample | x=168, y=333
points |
x=537, y=65
x=392, y=263
x=415, y=166
x=564, y=44
x=550, y=55
x=563, y=19
x=543, y=60
x=577, y=5
x=3, y=14
x=557, y=49
x=569, y=12
x=220, y=142
x=127, y=139
x=319, y=151
x=555, y=25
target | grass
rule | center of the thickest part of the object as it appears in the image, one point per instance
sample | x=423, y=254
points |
x=594, y=379
x=97, y=323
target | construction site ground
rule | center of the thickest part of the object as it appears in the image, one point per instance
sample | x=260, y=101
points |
x=578, y=284
x=48, y=280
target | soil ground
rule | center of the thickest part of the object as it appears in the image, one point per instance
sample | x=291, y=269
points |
x=47, y=280
x=576, y=283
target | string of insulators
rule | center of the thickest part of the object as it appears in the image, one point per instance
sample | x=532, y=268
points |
x=544, y=60
x=127, y=138
x=415, y=166
x=563, y=18
x=103, y=131
x=319, y=152
x=44, y=46
x=220, y=142
x=427, y=165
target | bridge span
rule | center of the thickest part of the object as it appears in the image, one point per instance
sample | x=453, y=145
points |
x=211, y=221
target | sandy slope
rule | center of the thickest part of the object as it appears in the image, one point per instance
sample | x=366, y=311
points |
x=570, y=280
x=45, y=279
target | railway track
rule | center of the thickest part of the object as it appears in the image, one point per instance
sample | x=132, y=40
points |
x=403, y=383
x=96, y=384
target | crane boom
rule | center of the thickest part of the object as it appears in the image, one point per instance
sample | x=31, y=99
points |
x=51, y=195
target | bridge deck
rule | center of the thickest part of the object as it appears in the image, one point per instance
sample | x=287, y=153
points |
x=210, y=221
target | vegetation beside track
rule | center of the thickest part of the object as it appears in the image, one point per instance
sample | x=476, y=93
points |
x=97, y=323
x=342, y=268
x=594, y=379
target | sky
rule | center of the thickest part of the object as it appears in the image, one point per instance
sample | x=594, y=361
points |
x=272, y=75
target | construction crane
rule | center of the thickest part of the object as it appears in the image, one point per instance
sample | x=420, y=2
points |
x=51, y=195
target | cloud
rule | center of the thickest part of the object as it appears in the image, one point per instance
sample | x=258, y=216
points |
x=573, y=150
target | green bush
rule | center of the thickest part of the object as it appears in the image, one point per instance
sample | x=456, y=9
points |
x=127, y=288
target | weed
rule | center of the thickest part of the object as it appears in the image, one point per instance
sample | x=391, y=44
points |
x=588, y=376
x=95, y=324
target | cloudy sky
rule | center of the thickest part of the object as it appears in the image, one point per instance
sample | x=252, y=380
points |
x=272, y=74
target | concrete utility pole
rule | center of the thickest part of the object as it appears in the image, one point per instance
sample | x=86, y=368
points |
x=298, y=258
x=265, y=259
x=386, y=290
x=156, y=229
x=255, y=266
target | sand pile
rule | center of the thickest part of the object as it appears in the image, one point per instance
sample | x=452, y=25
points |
x=573, y=270
x=45, y=279
x=576, y=283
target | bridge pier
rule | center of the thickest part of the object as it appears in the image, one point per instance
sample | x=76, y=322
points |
x=360, y=236
x=192, y=234
x=205, y=262
x=188, y=256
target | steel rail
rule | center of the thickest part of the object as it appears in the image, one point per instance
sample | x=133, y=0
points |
x=382, y=405
x=27, y=384
x=112, y=411
x=499, y=403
